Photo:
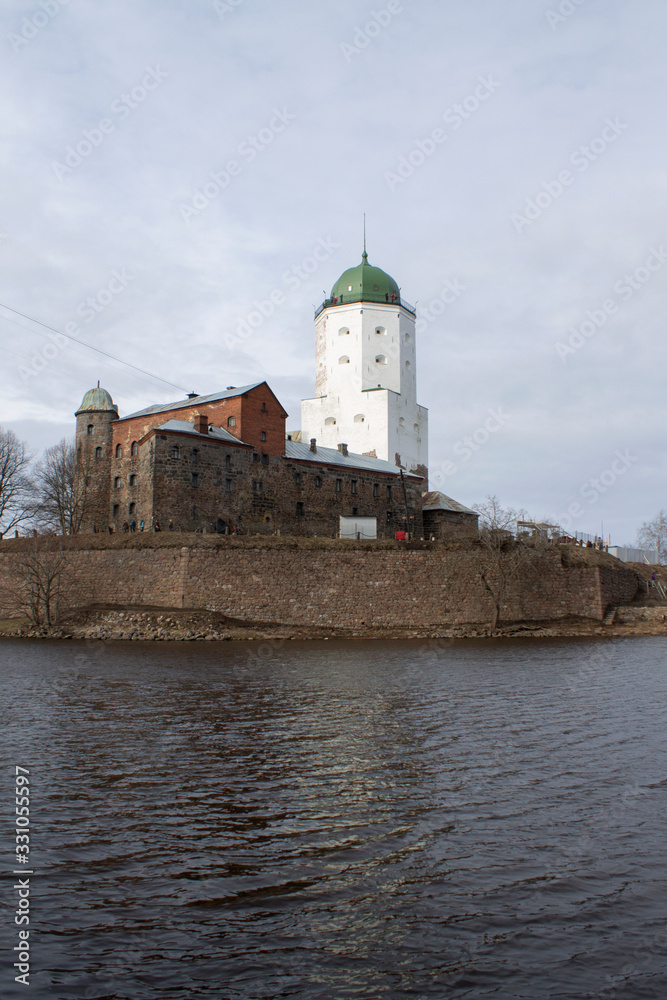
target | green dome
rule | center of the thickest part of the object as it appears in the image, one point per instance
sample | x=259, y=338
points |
x=97, y=400
x=365, y=283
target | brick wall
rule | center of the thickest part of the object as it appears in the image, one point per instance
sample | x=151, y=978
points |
x=335, y=584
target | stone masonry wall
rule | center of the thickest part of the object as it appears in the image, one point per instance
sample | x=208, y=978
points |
x=384, y=587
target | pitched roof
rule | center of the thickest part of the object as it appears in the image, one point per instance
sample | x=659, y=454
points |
x=185, y=427
x=331, y=456
x=438, y=501
x=196, y=401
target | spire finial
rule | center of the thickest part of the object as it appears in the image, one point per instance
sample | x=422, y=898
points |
x=364, y=255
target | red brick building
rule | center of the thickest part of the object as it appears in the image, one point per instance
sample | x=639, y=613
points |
x=223, y=462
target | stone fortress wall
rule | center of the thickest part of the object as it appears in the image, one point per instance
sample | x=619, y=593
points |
x=326, y=583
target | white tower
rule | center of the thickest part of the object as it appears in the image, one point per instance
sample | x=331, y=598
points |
x=365, y=376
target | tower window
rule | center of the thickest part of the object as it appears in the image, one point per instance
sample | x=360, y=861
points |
x=195, y=454
x=376, y=490
x=265, y=458
x=353, y=486
x=116, y=508
x=119, y=451
x=344, y=360
x=344, y=331
x=133, y=480
x=388, y=492
x=297, y=478
x=359, y=418
x=349, y=288
x=174, y=451
x=262, y=436
x=228, y=486
x=98, y=453
x=228, y=461
x=329, y=421
x=134, y=449
x=90, y=429
x=132, y=509
x=339, y=486
x=380, y=331
x=263, y=407
x=257, y=486
x=381, y=359
x=194, y=478
x=318, y=481
x=255, y=456
x=231, y=421
x=299, y=509
x=116, y=483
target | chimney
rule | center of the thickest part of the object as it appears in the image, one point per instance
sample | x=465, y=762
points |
x=313, y=444
x=230, y=387
x=342, y=449
x=193, y=394
x=201, y=423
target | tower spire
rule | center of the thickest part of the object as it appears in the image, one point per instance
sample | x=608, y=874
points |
x=364, y=255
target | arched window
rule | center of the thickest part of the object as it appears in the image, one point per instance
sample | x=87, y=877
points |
x=116, y=483
x=329, y=421
x=134, y=450
x=407, y=364
x=344, y=331
x=195, y=454
x=381, y=359
x=231, y=421
x=344, y=360
x=119, y=451
x=380, y=331
x=359, y=418
x=133, y=480
x=416, y=428
x=90, y=429
x=98, y=453
x=401, y=421
x=262, y=436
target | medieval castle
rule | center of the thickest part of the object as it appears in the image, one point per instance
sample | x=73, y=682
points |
x=223, y=462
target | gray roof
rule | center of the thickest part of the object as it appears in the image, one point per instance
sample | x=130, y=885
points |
x=331, y=456
x=438, y=501
x=196, y=401
x=184, y=427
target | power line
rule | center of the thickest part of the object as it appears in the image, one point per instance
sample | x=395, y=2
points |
x=90, y=347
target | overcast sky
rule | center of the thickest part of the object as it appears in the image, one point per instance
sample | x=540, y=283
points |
x=177, y=162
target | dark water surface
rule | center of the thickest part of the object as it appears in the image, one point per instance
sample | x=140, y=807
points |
x=354, y=820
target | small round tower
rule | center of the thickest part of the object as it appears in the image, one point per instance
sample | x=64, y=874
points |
x=94, y=420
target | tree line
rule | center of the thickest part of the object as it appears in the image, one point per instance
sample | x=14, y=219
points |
x=50, y=496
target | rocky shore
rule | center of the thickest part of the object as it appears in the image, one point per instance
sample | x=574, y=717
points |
x=191, y=625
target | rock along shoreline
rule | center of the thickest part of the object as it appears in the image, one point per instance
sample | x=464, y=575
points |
x=192, y=625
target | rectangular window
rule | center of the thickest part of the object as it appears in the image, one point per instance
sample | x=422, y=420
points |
x=133, y=508
x=228, y=461
x=389, y=493
x=194, y=478
x=299, y=509
x=90, y=429
x=318, y=481
x=228, y=486
x=339, y=486
x=265, y=459
x=297, y=478
x=133, y=480
x=376, y=490
x=255, y=456
x=257, y=485
x=353, y=486
x=262, y=436
x=116, y=483
x=116, y=508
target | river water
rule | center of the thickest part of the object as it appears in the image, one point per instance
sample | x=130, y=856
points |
x=339, y=820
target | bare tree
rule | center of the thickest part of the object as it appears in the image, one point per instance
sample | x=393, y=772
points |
x=504, y=556
x=62, y=488
x=39, y=587
x=16, y=486
x=653, y=535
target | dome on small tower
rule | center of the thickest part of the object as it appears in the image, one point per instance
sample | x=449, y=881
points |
x=365, y=283
x=97, y=401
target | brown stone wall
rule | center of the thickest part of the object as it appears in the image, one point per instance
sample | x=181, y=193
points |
x=332, y=584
